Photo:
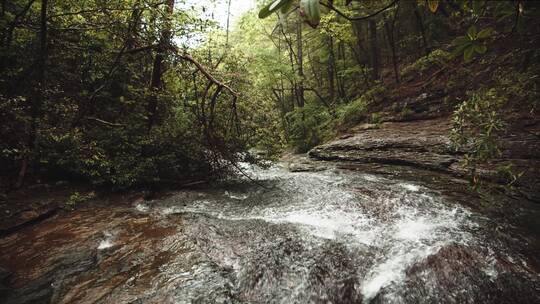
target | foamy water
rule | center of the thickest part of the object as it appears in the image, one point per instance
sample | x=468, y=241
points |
x=401, y=222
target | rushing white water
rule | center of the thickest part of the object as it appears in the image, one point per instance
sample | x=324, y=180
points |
x=389, y=225
x=107, y=241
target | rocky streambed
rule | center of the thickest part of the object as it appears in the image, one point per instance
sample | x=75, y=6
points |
x=323, y=235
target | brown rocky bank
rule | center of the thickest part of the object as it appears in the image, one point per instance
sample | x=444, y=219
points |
x=425, y=144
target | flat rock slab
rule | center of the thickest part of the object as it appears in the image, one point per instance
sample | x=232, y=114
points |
x=422, y=143
x=426, y=144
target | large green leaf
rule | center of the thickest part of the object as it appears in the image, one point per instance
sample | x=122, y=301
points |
x=480, y=48
x=468, y=53
x=310, y=10
x=485, y=33
x=461, y=40
x=272, y=7
x=472, y=32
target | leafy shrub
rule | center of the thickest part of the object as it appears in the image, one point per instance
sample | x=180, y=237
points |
x=475, y=125
x=375, y=118
x=76, y=198
x=437, y=58
x=353, y=112
x=405, y=113
x=472, y=43
x=518, y=85
x=308, y=126
x=356, y=111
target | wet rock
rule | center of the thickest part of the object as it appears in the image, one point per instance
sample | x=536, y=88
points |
x=426, y=145
x=463, y=274
x=4, y=275
x=421, y=148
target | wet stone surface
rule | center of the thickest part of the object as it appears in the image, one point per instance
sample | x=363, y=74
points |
x=322, y=235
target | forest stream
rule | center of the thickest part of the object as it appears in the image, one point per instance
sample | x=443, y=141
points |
x=326, y=236
x=269, y=151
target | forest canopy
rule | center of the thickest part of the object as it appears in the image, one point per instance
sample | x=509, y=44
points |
x=126, y=92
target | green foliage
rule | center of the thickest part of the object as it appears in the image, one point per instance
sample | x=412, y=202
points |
x=92, y=114
x=273, y=6
x=405, y=112
x=436, y=59
x=475, y=125
x=472, y=43
x=356, y=111
x=376, y=118
x=517, y=84
x=353, y=112
x=308, y=126
x=77, y=198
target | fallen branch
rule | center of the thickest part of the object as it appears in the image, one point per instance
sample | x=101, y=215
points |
x=111, y=124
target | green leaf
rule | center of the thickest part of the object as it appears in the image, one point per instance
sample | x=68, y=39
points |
x=472, y=32
x=480, y=49
x=461, y=40
x=310, y=10
x=485, y=33
x=468, y=53
x=272, y=7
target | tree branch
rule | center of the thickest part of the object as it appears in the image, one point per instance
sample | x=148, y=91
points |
x=203, y=70
x=331, y=7
x=110, y=124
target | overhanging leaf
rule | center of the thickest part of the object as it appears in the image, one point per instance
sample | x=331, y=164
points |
x=272, y=7
x=433, y=5
x=310, y=10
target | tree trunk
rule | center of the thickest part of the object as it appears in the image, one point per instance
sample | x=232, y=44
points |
x=331, y=73
x=292, y=59
x=374, y=48
x=422, y=30
x=157, y=69
x=37, y=99
x=300, y=89
x=391, y=41
x=133, y=27
x=341, y=79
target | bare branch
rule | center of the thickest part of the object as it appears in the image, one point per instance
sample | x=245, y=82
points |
x=110, y=124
